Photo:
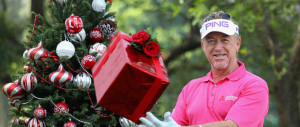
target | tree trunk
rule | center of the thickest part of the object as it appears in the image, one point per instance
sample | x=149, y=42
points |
x=37, y=6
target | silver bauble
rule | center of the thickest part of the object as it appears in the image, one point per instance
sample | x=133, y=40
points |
x=99, y=5
x=77, y=37
x=65, y=49
x=124, y=122
x=82, y=80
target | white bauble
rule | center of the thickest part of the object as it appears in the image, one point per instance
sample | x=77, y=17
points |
x=98, y=48
x=99, y=5
x=77, y=37
x=65, y=49
x=82, y=80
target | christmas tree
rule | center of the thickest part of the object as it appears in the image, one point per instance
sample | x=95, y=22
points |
x=55, y=88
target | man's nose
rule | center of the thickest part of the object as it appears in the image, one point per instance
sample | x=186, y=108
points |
x=219, y=45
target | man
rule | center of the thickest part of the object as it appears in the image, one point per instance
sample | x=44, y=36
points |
x=228, y=96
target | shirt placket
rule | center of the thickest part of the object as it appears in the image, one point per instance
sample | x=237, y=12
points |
x=212, y=96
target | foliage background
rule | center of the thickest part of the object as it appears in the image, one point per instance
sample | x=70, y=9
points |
x=177, y=24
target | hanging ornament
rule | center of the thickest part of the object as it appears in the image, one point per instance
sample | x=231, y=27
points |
x=98, y=48
x=98, y=5
x=70, y=124
x=40, y=113
x=88, y=61
x=74, y=24
x=96, y=35
x=60, y=76
x=13, y=90
x=124, y=122
x=65, y=49
x=108, y=27
x=16, y=104
x=110, y=1
x=36, y=123
x=61, y=107
x=25, y=54
x=28, y=82
x=38, y=52
x=82, y=80
x=77, y=37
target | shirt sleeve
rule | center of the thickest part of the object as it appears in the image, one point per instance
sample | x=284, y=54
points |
x=179, y=112
x=252, y=106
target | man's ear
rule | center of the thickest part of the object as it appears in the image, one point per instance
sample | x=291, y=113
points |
x=238, y=44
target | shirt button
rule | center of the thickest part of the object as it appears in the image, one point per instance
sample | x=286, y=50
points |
x=212, y=94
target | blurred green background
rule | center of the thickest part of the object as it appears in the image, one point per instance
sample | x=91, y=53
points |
x=270, y=31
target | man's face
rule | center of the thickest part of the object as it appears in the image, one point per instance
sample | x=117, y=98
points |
x=221, y=49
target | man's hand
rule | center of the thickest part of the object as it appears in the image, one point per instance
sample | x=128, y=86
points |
x=154, y=122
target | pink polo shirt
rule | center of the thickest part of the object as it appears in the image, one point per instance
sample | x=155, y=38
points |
x=241, y=96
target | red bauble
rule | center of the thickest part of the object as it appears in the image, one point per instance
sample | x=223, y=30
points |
x=96, y=35
x=40, y=113
x=88, y=61
x=61, y=107
x=70, y=124
x=13, y=90
x=74, y=24
x=36, y=123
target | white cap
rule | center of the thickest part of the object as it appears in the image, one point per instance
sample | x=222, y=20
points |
x=219, y=25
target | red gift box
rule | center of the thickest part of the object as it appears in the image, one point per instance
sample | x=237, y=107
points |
x=127, y=81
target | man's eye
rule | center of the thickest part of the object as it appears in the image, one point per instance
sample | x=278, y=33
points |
x=211, y=41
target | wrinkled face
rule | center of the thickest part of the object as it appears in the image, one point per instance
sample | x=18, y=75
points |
x=221, y=50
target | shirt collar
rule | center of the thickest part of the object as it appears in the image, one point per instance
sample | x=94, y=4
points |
x=235, y=75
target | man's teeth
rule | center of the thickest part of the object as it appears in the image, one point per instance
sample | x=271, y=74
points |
x=219, y=55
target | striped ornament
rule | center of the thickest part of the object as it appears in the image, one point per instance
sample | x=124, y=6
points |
x=36, y=123
x=38, y=52
x=60, y=76
x=28, y=82
x=13, y=90
x=82, y=80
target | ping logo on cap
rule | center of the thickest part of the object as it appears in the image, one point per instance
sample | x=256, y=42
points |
x=219, y=25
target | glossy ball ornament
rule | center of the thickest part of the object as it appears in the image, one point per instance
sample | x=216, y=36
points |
x=70, y=124
x=28, y=82
x=96, y=35
x=124, y=122
x=98, y=48
x=38, y=52
x=65, y=49
x=36, y=123
x=60, y=76
x=88, y=61
x=74, y=24
x=77, y=37
x=61, y=107
x=82, y=80
x=40, y=113
x=98, y=5
x=13, y=91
